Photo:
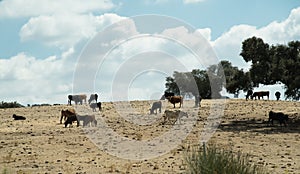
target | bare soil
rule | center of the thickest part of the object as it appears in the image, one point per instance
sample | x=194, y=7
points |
x=40, y=144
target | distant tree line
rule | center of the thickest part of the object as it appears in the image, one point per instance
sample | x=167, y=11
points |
x=270, y=65
x=10, y=105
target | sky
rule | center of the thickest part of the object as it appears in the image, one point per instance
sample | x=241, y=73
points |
x=124, y=50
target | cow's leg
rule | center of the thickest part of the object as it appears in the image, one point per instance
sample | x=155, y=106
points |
x=77, y=122
x=61, y=119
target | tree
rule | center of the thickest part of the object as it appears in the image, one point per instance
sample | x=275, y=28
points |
x=256, y=51
x=207, y=84
x=236, y=79
x=171, y=86
x=275, y=64
x=202, y=80
x=291, y=77
x=278, y=55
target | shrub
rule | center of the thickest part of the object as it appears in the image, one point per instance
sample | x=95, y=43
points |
x=210, y=160
x=10, y=105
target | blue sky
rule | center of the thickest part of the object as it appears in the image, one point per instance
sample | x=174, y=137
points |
x=42, y=40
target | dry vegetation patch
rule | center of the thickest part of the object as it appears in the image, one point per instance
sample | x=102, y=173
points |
x=40, y=144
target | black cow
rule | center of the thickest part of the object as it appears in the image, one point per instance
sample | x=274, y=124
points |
x=277, y=94
x=166, y=95
x=93, y=97
x=71, y=119
x=155, y=106
x=95, y=105
x=18, y=117
x=249, y=94
x=279, y=116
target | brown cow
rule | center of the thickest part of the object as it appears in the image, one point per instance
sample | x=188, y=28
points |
x=260, y=94
x=77, y=98
x=66, y=113
x=71, y=117
x=176, y=99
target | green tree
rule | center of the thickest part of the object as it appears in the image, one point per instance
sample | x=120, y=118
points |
x=275, y=64
x=207, y=84
x=291, y=77
x=278, y=55
x=254, y=50
x=236, y=79
x=202, y=80
x=171, y=86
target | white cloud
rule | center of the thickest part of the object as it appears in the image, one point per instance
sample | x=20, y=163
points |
x=28, y=80
x=29, y=8
x=282, y=32
x=65, y=31
x=196, y=43
x=228, y=45
x=31, y=80
x=206, y=33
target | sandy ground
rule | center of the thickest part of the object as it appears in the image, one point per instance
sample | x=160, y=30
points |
x=40, y=144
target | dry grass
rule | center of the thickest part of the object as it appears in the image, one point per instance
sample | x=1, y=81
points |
x=40, y=144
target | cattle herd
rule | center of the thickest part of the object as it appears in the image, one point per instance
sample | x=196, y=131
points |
x=260, y=94
x=70, y=115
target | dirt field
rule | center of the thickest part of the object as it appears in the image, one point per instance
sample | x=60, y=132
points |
x=40, y=144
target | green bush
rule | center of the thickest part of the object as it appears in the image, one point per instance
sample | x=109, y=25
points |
x=10, y=105
x=211, y=160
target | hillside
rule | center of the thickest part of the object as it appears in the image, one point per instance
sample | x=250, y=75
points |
x=40, y=144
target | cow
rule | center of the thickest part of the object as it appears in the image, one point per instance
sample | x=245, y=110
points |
x=77, y=98
x=93, y=97
x=95, y=105
x=260, y=94
x=156, y=105
x=166, y=95
x=177, y=115
x=249, y=94
x=66, y=113
x=18, y=117
x=87, y=119
x=198, y=99
x=176, y=99
x=279, y=116
x=71, y=119
x=277, y=95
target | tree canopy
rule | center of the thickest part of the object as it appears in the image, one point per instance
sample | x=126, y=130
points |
x=274, y=64
x=207, y=84
x=270, y=65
